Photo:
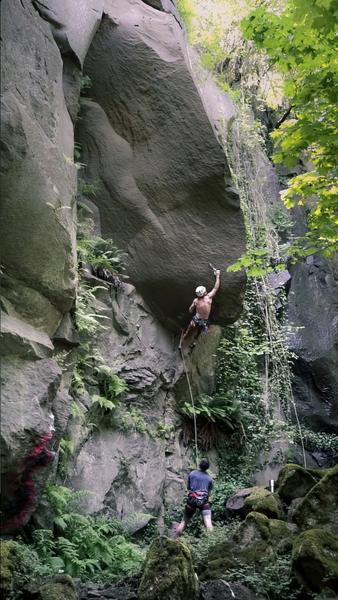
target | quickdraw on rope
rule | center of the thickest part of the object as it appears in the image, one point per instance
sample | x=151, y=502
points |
x=192, y=404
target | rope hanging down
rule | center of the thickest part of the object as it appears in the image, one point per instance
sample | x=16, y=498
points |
x=193, y=406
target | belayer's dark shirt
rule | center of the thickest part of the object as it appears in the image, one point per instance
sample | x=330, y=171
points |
x=199, y=481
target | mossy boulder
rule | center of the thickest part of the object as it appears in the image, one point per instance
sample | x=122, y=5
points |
x=255, y=540
x=256, y=499
x=7, y=564
x=319, y=508
x=168, y=572
x=315, y=560
x=295, y=482
x=262, y=501
x=59, y=587
x=258, y=535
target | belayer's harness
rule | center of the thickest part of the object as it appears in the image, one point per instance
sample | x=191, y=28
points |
x=197, y=499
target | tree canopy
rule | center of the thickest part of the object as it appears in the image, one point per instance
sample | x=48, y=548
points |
x=300, y=41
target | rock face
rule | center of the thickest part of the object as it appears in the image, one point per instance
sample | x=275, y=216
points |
x=37, y=175
x=30, y=394
x=136, y=463
x=38, y=266
x=165, y=193
x=313, y=318
x=19, y=338
x=168, y=572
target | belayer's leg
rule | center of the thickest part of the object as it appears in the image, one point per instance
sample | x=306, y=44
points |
x=206, y=516
x=188, y=513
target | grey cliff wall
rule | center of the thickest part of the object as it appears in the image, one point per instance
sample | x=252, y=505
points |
x=165, y=196
x=313, y=321
x=38, y=179
x=38, y=262
x=165, y=193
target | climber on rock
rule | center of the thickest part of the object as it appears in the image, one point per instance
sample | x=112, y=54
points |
x=202, y=306
x=200, y=484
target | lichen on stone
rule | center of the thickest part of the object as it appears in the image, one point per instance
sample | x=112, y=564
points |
x=168, y=572
x=263, y=501
x=60, y=587
x=7, y=563
x=294, y=481
x=319, y=508
x=315, y=559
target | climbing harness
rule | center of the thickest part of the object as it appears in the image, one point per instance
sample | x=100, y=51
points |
x=192, y=404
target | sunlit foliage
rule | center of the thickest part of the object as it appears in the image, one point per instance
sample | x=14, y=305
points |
x=301, y=44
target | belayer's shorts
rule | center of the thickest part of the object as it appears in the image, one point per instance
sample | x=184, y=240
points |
x=189, y=511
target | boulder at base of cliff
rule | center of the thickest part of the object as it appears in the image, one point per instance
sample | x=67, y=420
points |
x=319, y=508
x=59, y=587
x=168, y=572
x=295, y=482
x=315, y=560
x=222, y=590
x=254, y=499
x=262, y=501
x=255, y=540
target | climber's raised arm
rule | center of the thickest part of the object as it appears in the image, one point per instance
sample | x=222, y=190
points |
x=215, y=289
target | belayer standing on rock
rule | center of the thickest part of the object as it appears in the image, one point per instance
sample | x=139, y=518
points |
x=200, y=484
x=202, y=305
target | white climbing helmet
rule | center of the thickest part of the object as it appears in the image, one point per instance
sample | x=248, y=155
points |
x=201, y=291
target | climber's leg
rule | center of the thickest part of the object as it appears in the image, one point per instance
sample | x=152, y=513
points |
x=191, y=327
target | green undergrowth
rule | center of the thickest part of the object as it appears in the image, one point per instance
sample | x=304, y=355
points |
x=92, y=548
x=273, y=578
x=201, y=542
x=315, y=441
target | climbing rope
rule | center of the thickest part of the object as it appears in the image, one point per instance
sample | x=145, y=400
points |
x=193, y=406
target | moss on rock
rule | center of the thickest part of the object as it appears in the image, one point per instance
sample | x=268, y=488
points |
x=59, y=587
x=7, y=563
x=315, y=560
x=263, y=501
x=319, y=508
x=168, y=572
x=295, y=482
x=255, y=540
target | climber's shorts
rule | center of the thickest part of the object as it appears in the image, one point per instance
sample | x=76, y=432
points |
x=189, y=511
x=201, y=323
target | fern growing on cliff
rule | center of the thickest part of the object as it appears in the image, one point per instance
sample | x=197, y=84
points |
x=87, y=322
x=101, y=254
x=84, y=546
